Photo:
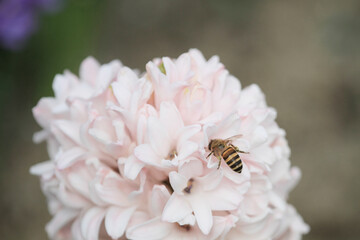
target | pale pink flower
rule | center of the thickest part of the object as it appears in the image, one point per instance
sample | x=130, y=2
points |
x=198, y=192
x=156, y=228
x=167, y=139
x=128, y=155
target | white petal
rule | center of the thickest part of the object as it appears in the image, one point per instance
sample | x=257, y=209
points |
x=209, y=132
x=169, y=163
x=186, y=149
x=242, y=144
x=132, y=167
x=128, y=78
x=225, y=198
x=139, y=191
x=277, y=201
x=100, y=136
x=158, y=137
x=79, y=183
x=90, y=223
x=191, y=169
x=69, y=129
x=222, y=226
x=105, y=75
x=159, y=196
x=61, y=218
x=116, y=220
x=40, y=136
x=187, y=132
x=229, y=126
x=189, y=219
x=170, y=118
x=61, y=85
x=120, y=130
x=67, y=158
x=258, y=137
x=203, y=215
x=108, y=191
x=212, y=118
x=70, y=198
x=122, y=94
x=178, y=182
x=140, y=132
x=153, y=229
x=42, y=168
x=76, y=230
x=88, y=69
x=146, y=154
x=176, y=209
x=211, y=180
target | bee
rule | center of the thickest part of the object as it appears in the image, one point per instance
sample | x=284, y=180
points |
x=223, y=148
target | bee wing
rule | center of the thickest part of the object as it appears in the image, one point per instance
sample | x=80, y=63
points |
x=232, y=138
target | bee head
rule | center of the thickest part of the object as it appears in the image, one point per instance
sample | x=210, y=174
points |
x=210, y=143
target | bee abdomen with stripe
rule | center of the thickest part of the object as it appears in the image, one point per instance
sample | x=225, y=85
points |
x=232, y=159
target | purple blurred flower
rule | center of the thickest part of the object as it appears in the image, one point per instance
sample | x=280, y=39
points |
x=19, y=19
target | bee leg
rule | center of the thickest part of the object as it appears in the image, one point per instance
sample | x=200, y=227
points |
x=242, y=151
x=238, y=150
x=209, y=154
x=219, y=162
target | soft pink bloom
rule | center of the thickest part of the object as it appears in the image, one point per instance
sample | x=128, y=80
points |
x=167, y=139
x=198, y=192
x=128, y=155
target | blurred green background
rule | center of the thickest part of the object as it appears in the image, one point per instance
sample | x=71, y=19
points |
x=305, y=55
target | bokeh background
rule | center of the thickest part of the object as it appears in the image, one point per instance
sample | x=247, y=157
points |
x=305, y=55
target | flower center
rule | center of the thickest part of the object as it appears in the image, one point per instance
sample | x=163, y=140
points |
x=172, y=154
x=167, y=184
x=186, y=227
x=189, y=186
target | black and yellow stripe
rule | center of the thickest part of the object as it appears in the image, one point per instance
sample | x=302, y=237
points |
x=232, y=159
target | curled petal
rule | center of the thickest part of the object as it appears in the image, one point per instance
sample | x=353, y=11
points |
x=69, y=157
x=90, y=223
x=132, y=166
x=116, y=220
x=153, y=229
x=146, y=154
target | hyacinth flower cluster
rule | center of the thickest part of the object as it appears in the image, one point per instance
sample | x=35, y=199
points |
x=19, y=20
x=128, y=155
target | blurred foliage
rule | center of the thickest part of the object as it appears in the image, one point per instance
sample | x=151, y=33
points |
x=63, y=40
x=238, y=12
